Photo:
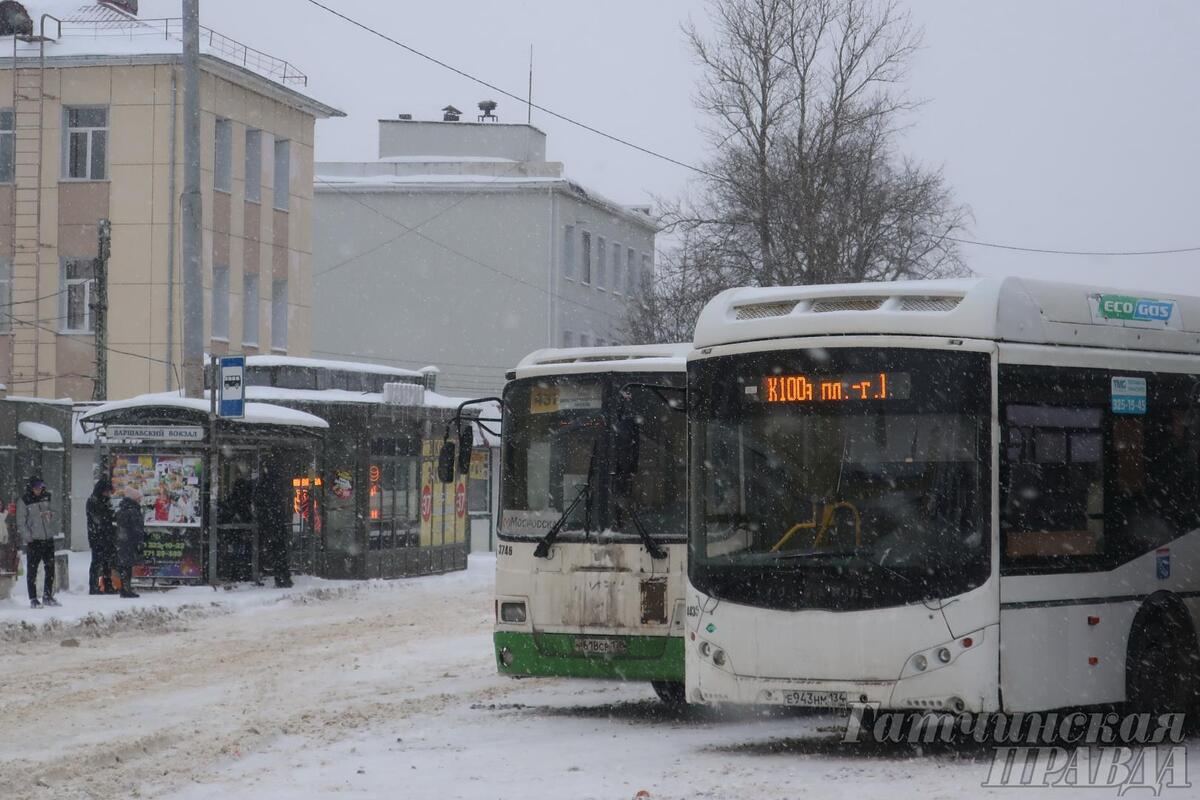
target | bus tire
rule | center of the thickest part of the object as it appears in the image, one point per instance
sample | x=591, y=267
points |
x=1161, y=660
x=671, y=693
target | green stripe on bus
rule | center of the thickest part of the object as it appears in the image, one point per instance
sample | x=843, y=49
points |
x=552, y=655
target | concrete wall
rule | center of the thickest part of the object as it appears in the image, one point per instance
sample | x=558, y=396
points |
x=457, y=139
x=424, y=299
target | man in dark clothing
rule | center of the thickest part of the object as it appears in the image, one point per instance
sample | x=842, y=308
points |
x=102, y=537
x=131, y=532
x=273, y=508
x=36, y=521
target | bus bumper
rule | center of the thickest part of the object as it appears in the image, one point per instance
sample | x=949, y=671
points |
x=557, y=655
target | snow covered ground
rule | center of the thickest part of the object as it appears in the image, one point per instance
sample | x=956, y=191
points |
x=386, y=689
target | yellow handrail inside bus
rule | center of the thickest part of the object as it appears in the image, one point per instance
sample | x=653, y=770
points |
x=828, y=512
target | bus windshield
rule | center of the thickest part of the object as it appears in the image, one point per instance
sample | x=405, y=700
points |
x=841, y=478
x=567, y=438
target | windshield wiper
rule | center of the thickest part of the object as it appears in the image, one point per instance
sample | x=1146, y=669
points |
x=852, y=557
x=652, y=547
x=543, y=548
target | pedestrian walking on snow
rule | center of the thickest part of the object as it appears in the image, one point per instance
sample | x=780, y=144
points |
x=36, y=522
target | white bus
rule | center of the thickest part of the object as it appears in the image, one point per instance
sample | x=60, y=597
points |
x=593, y=527
x=976, y=495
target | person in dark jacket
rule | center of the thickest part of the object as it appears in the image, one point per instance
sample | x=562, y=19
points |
x=272, y=507
x=102, y=537
x=36, y=522
x=131, y=532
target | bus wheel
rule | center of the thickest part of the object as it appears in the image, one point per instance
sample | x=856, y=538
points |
x=1161, y=663
x=671, y=693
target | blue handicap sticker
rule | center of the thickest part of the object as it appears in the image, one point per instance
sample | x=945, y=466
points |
x=1162, y=564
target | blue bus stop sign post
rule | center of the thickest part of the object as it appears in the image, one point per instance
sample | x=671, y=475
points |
x=231, y=388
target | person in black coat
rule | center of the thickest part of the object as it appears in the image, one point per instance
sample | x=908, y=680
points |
x=131, y=532
x=102, y=537
x=272, y=507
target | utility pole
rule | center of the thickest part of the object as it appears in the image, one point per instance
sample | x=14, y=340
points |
x=193, y=284
x=100, y=310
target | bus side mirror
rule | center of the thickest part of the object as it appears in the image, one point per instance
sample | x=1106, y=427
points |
x=466, y=443
x=445, y=465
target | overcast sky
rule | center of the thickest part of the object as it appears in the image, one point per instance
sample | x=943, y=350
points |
x=1072, y=124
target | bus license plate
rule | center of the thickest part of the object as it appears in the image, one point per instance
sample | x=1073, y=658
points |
x=598, y=647
x=816, y=699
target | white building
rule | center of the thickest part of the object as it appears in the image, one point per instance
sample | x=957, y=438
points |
x=462, y=246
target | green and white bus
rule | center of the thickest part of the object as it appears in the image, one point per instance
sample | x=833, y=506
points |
x=592, y=532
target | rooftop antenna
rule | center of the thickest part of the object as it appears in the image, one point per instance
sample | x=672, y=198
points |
x=529, y=97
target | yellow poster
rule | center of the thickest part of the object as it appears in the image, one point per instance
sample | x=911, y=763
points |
x=543, y=399
x=443, y=505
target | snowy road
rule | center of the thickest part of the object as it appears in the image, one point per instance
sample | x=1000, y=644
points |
x=388, y=690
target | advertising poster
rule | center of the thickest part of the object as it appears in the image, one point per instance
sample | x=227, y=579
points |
x=170, y=487
x=170, y=553
x=443, y=505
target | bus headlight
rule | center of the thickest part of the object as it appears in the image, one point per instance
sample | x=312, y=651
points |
x=705, y=649
x=919, y=663
x=943, y=655
x=512, y=613
x=718, y=657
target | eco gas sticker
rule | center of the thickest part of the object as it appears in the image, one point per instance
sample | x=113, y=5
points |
x=1128, y=395
x=1134, y=312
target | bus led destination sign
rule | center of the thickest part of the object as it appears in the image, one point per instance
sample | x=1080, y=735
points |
x=836, y=388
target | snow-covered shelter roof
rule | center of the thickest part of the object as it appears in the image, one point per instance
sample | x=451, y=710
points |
x=80, y=32
x=256, y=413
x=283, y=395
x=1007, y=309
x=321, y=363
x=583, y=360
x=39, y=432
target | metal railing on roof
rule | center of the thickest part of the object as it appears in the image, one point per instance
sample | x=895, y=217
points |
x=211, y=42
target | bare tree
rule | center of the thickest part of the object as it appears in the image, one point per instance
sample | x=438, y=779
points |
x=805, y=184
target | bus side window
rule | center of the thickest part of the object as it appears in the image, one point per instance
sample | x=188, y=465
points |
x=1052, y=505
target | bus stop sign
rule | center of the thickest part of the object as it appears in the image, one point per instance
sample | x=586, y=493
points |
x=231, y=387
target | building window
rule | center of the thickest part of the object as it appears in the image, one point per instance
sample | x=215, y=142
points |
x=630, y=271
x=646, y=274
x=78, y=279
x=568, y=339
x=279, y=315
x=585, y=247
x=5, y=295
x=86, y=146
x=7, y=146
x=223, y=156
x=584, y=340
x=568, y=254
x=617, y=285
x=220, y=302
x=250, y=309
x=601, y=261
x=283, y=169
x=254, y=165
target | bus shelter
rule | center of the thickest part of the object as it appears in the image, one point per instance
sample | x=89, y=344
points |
x=203, y=481
x=376, y=508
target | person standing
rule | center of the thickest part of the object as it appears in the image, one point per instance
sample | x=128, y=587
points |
x=102, y=537
x=36, y=521
x=131, y=532
x=272, y=507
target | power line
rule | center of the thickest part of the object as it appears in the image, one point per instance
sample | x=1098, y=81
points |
x=1051, y=251
x=518, y=98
